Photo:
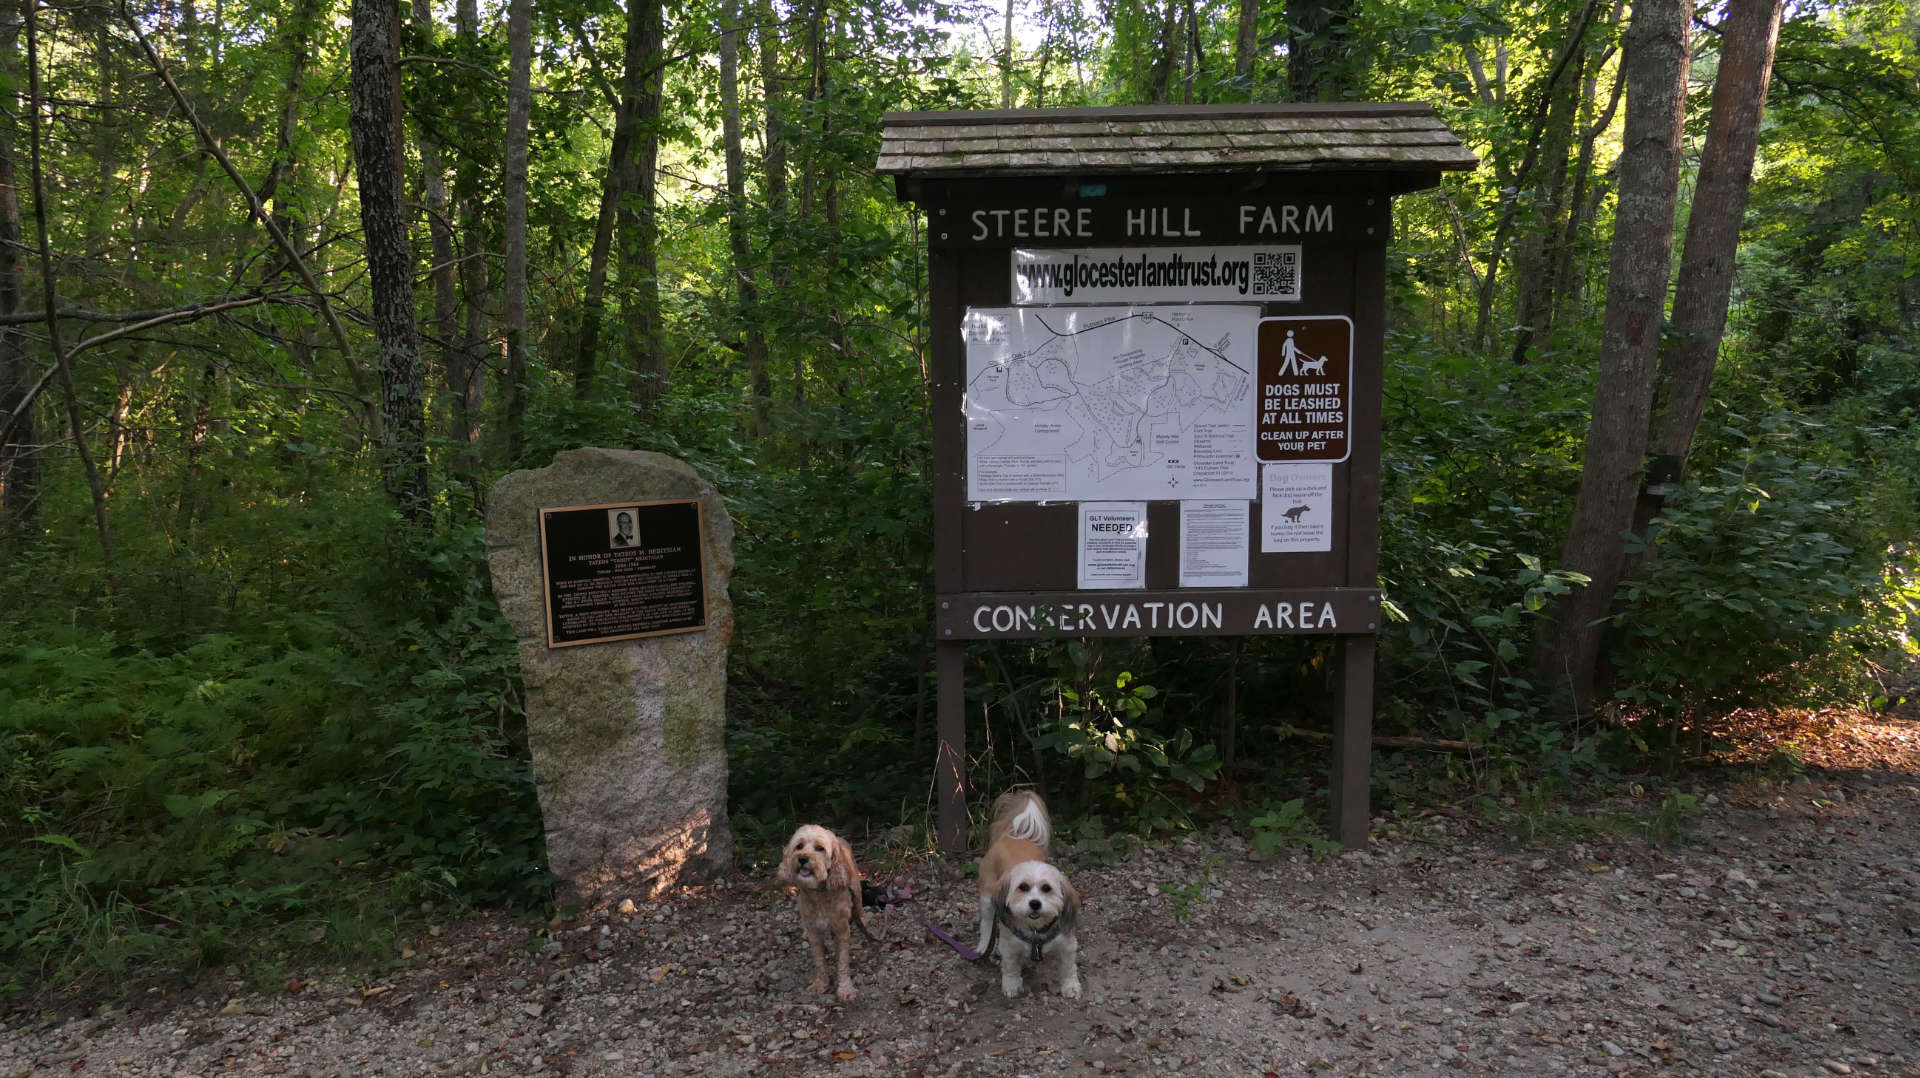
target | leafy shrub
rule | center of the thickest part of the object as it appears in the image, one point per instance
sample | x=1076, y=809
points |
x=305, y=784
x=1753, y=594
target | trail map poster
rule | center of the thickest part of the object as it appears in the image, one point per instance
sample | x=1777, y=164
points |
x=1134, y=403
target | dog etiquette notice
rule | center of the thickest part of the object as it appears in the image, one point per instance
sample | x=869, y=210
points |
x=1296, y=512
x=1306, y=388
x=618, y=571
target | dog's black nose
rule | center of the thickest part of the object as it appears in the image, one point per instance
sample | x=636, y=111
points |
x=802, y=859
x=1033, y=904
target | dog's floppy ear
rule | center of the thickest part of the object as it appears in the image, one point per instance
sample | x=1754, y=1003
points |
x=845, y=874
x=785, y=873
x=1070, y=906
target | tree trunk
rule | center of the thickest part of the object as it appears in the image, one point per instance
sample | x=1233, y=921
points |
x=1167, y=63
x=299, y=44
x=773, y=168
x=1006, y=60
x=19, y=436
x=49, y=295
x=586, y=360
x=470, y=381
x=444, y=274
x=1539, y=252
x=754, y=344
x=514, y=196
x=1195, y=60
x=1656, y=73
x=374, y=122
x=1574, y=44
x=1044, y=60
x=1565, y=305
x=1705, y=284
x=1316, y=44
x=636, y=229
x=593, y=305
x=1713, y=228
x=1245, y=39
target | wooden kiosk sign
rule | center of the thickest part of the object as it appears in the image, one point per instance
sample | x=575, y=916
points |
x=1156, y=359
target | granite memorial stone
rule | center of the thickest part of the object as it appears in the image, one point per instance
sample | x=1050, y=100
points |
x=628, y=733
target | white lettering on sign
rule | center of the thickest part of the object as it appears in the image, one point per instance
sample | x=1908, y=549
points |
x=1033, y=222
x=1145, y=615
x=1295, y=616
x=1158, y=221
x=1263, y=221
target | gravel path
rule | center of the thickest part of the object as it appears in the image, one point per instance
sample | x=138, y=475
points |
x=1782, y=939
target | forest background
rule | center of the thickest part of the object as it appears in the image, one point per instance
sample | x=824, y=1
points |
x=284, y=284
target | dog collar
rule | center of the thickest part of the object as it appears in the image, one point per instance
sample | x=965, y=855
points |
x=1038, y=940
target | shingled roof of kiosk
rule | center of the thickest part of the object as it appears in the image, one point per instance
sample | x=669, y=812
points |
x=1169, y=138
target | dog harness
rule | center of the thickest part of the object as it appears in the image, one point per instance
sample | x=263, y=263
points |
x=1038, y=940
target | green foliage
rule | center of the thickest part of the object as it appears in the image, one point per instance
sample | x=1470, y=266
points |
x=1750, y=597
x=299, y=783
x=1668, y=824
x=1464, y=555
x=1185, y=896
x=1117, y=752
x=1287, y=824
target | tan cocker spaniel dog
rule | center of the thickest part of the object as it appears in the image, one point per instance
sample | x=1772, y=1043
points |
x=826, y=882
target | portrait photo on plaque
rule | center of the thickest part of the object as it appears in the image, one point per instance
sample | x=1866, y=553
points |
x=623, y=570
x=620, y=530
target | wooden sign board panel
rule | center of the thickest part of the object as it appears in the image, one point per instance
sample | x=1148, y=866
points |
x=617, y=571
x=1093, y=367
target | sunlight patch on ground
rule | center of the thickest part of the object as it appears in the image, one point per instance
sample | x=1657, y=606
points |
x=1837, y=739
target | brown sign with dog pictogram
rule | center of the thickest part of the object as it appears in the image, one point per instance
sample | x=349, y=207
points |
x=1306, y=389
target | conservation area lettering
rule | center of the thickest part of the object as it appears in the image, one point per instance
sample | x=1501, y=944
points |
x=990, y=619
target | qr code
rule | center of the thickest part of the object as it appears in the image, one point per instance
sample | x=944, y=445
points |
x=1276, y=273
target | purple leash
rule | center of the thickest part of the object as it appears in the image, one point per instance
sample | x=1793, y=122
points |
x=900, y=894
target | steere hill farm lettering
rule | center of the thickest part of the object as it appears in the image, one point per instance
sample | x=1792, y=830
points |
x=1141, y=222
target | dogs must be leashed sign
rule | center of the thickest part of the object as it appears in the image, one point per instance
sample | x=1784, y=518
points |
x=617, y=571
x=1306, y=389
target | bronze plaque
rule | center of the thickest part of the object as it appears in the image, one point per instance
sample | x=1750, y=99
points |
x=1306, y=389
x=617, y=571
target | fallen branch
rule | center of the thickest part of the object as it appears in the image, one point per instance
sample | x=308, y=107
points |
x=138, y=320
x=1385, y=741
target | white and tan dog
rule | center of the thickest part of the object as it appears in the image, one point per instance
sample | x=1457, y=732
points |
x=1027, y=908
x=826, y=882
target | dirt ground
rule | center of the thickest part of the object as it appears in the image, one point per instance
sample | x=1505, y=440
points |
x=1782, y=938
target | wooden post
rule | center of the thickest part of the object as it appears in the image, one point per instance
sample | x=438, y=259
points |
x=950, y=761
x=1353, y=743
